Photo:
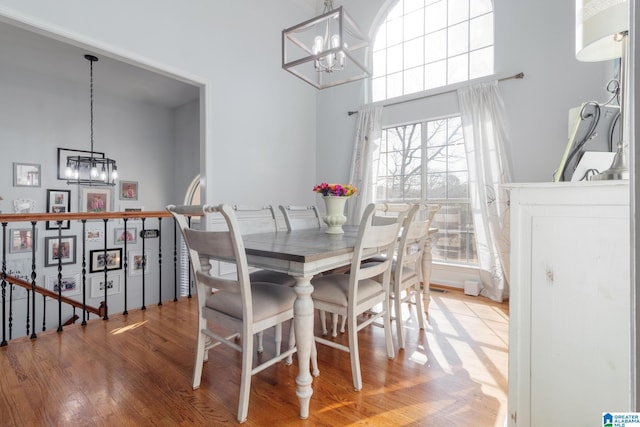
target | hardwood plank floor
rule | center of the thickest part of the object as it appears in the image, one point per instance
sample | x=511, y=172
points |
x=136, y=370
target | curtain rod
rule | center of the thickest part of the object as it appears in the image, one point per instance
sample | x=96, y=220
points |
x=515, y=76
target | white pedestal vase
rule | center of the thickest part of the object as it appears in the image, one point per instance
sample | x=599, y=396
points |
x=335, y=217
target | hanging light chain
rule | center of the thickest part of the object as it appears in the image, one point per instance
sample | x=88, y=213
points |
x=91, y=60
x=108, y=173
x=328, y=6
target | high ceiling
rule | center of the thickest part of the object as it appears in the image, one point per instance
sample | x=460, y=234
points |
x=35, y=53
x=32, y=52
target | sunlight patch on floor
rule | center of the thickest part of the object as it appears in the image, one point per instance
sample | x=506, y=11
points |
x=128, y=328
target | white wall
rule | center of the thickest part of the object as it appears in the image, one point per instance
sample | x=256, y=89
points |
x=41, y=112
x=260, y=119
x=186, y=149
x=536, y=38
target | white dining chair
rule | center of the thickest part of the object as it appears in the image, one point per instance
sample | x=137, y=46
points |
x=382, y=210
x=251, y=307
x=406, y=272
x=301, y=217
x=356, y=293
x=304, y=218
x=262, y=219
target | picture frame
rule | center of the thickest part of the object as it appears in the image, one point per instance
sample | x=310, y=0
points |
x=71, y=284
x=95, y=199
x=119, y=235
x=24, y=205
x=63, y=153
x=94, y=234
x=98, y=283
x=58, y=201
x=128, y=190
x=97, y=260
x=63, y=248
x=135, y=263
x=26, y=174
x=21, y=240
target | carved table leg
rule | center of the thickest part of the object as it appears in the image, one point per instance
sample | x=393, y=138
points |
x=303, y=324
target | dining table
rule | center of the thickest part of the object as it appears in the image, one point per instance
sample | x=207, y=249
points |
x=304, y=254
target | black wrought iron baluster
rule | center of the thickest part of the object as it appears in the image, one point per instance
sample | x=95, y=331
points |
x=175, y=260
x=33, y=281
x=11, y=311
x=106, y=270
x=160, y=261
x=44, y=313
x=4, y=285
x=44, y=299
x=144, y=265
x=126, y=263
x=28, y=311
x=85, y=313
x=59, y=256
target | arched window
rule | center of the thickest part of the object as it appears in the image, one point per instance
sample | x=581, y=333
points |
x=425, y=44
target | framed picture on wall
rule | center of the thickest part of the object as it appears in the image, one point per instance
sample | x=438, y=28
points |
x=58, y=201
x=63, y=249
x=137, y=263
x=98, y=285
x=68, y=285
x=95, y=199
x=98, y=260
x=21, y=240
x=26, y=175
x=120, y=235
x=128, y=190
x=94, y=234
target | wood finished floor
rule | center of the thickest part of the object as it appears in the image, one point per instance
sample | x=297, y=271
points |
x=136, y=370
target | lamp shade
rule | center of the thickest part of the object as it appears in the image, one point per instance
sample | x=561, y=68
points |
x=597, y=23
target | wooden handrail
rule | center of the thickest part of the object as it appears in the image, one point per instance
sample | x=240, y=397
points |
x=67, y=216
x=100, y=311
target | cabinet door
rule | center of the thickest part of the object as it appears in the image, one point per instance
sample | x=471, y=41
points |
x=580, y=315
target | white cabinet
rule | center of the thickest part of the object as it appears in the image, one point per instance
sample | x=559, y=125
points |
x=570, y=303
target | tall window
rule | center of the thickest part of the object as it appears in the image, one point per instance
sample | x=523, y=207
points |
x=426, y=161
x=422, y=45
x=425, y=44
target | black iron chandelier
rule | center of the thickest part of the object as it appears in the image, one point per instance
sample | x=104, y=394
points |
x=93, y=169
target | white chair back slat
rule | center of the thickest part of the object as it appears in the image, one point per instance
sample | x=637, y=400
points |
x=301, y=217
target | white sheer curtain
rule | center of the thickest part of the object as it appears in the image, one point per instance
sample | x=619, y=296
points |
x=363, y=163
x=485, y=137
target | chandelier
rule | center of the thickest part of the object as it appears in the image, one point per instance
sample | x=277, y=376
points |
x=327, y=50
x=93, y=169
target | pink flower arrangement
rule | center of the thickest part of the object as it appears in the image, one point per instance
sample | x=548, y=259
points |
x=335, y=189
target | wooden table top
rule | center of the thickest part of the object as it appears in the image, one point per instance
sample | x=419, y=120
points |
x=302, y=246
